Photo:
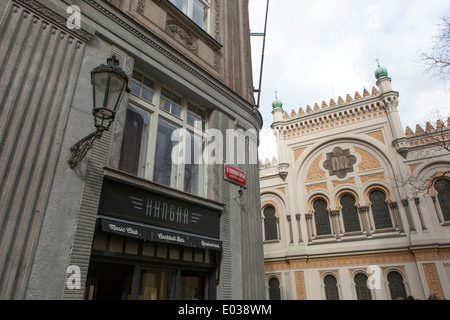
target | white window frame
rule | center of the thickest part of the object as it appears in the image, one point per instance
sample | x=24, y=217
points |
x=190, y=11
x=157, y=113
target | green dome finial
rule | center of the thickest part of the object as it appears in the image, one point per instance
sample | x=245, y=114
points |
x=381, y=73
x=277, y=104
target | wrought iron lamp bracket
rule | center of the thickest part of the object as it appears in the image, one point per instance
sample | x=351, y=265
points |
x=109, y=84
x=81, y=148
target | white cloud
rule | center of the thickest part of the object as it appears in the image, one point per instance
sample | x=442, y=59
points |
x=322, y=49
x=267, y=145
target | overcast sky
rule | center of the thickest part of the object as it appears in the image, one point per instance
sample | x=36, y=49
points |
x=323, y=49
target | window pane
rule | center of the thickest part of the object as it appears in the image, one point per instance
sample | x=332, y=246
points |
x=193, y=168
x=331, y=288
x=201, y=117
x=199, y=13
x=176, y=105
x=165, y=169
x=380, y=210
x=270, y=224
x=201, y=114
x=148, y=89
x=181, y=4
x=176, y=110
x=362, y=291
x=321, y=217
x=133, y=156
x=135, y=87
x=165, y=100
x=137, y=76
x=147, y=95
x=196, y=117
x=191, y=114
x=396, y=285
x=156, y=285
x=192, y=286
x=443, y=189
x=274, y=289
x=350, y=214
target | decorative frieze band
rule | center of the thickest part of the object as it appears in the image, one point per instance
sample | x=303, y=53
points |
x=95, y=4
x=175, y=30
x=55, y=18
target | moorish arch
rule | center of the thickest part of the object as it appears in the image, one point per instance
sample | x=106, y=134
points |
x=432, y=186
x=273, y=205
x=332, y=165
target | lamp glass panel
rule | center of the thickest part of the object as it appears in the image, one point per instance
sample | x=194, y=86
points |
x=115, y=91
x=100, y=81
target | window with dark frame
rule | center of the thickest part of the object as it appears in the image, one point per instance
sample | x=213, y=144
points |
x=380, y=210
x=321, y=217
x=274, y=289
x=152, y=131
x=362, y=291
x=442, y=187
x=331, y=287
x=142, y=86
x=136, y=134
x=396, y=285
x=350, y=213
x=270, y=224
x=165, y=171
x=196, y=10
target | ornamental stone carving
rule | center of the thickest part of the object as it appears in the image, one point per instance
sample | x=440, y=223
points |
x=339, y=162
x=368, y=161
x=175, y=30
x=314, y=171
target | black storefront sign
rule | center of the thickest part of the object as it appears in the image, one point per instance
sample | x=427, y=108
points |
x=149, y=233
x=151, y=213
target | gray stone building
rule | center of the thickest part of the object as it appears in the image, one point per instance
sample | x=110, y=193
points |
x=126, y=222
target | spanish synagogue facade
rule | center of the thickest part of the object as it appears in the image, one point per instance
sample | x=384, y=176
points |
x=356, y=208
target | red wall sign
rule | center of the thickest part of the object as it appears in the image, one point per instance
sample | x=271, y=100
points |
x=235, y=175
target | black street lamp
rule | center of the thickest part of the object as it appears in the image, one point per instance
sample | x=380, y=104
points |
x=109, y=83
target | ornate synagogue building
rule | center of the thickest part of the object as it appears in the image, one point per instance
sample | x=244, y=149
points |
x=355, y=207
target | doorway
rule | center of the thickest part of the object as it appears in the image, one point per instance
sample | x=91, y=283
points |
x=113, y=281
x=193, y=286
x=109, y=281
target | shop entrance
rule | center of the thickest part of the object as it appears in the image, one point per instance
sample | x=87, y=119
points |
x=193, y=286
x=110, y=281
x=122, y=268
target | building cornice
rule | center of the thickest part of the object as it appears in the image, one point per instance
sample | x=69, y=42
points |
x=56, y=16
x=141, y=33
x=330, y=117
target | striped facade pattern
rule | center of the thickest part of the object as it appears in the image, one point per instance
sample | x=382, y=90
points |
x=36, y=88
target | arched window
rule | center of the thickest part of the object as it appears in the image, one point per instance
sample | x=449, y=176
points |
x=380, y=210
x=274, y=289
x=396, y=285
x=350, y=213
x=331, y=287
x=362, y=291
x=442, y=187
x=270, y=224
x=321, y=217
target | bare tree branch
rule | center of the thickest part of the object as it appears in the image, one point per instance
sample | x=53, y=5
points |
x=433, y=142
x=437, y=60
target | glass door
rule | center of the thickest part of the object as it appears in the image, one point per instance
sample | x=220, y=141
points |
x=193, y=286
x=156, y=285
